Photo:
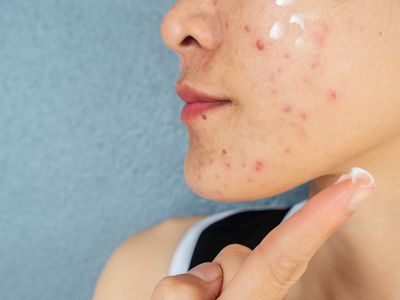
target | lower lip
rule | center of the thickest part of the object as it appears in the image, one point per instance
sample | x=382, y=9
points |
x=192, y=111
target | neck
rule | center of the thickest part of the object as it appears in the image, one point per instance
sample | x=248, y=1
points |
x=361, y=261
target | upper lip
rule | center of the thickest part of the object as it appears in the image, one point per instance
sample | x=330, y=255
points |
x=189, y=95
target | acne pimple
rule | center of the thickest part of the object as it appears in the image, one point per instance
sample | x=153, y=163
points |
x=286, y=55
x=260, y=45
x=332, y=95
x=259, y=165
x=303, y=115
x=247, y=28
x=216, y=175
x=287, y=150
x=227, y=24
x=249, y=180
x=243, y=165
x=319, y=37
x=215, y=2
x=274, y=92
x=228, y=165
x=287, y=108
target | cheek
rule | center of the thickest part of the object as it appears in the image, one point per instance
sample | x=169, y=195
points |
x=293, y=75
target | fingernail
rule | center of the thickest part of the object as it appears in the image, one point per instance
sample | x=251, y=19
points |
x=206, y=271
x=357, y=173
x=358, y=196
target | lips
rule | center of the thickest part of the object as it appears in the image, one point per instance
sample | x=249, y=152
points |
x=197, y=103
x=190, y=95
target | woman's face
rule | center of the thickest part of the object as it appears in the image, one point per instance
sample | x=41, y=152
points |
x=313, y=84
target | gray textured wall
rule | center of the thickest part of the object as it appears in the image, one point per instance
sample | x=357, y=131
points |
x=91, y=144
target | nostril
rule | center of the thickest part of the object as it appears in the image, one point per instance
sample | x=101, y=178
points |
x=188, y=41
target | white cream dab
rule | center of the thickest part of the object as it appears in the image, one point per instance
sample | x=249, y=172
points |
x=296, y=19
x=283, y=2
x=277, y=31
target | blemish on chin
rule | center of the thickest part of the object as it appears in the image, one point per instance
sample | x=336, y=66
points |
x=247, y=28
x=204, y=117
x=287, y=56
x=259, y=166
x=249, y=180
x=228, y=165
x=288, y=151
x=223, y=151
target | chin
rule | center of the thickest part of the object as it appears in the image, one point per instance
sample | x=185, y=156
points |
x=238, y=190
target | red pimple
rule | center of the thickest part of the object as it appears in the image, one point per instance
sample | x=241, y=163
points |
x=260, y=44
x=243, y=165
x=287, y=108
x=228, y=165
x=287, y=55
x=259, y=165
x=287, y=151
x=215, y=2
x=332, y=95
x=247, y=28
x=320, y=36
x=249, y=180
x=314, y=65
x=226, y=24
x=303, y=115
x=274, y=92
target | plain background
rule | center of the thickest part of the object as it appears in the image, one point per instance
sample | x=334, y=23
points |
x=91, y=143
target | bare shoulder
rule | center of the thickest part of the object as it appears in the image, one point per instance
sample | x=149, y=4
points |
x=142, y=260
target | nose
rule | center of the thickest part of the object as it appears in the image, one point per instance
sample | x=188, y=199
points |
x=191, y=26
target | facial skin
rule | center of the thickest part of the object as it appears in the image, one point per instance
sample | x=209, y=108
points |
x=301, y=111
x=303, y=104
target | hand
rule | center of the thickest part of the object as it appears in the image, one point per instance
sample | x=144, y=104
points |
x=267, y=272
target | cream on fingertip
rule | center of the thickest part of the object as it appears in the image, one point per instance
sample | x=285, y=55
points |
x=357, y=172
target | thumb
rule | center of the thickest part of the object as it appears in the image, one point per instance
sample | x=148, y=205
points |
x=208, y=271
x=203, y=282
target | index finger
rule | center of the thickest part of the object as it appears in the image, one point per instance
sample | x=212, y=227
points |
x=283, y=255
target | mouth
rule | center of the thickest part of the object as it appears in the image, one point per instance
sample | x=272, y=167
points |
x=197, y=102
